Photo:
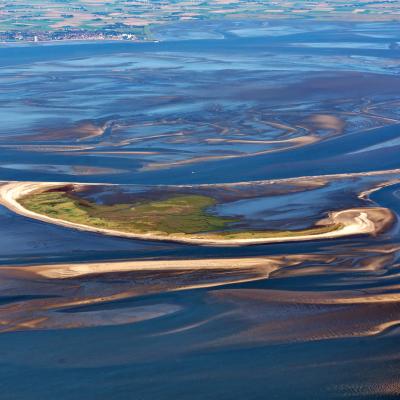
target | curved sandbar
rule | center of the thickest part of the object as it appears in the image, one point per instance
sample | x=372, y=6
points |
x=350, y=222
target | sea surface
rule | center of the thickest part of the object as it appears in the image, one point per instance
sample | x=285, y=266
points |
x=226, y=105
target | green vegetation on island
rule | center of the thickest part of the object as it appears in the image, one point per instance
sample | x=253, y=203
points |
x=184, y=215
x=177, y=214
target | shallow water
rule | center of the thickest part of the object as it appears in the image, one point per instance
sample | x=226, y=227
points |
x=322, y=325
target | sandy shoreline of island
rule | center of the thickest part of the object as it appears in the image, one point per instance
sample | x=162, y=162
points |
x=352, y=222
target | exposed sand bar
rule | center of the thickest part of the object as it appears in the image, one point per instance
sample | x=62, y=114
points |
x=356, y=221
x=294, y=179
x=263, y=265
x=291, y=144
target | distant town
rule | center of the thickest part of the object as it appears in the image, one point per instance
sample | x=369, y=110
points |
x=50, y=20
x=67, y=34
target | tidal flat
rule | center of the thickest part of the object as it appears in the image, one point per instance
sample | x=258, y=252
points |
x=233, y=130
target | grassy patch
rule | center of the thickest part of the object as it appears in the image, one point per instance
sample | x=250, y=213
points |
x=273, y=234
x=180, y=215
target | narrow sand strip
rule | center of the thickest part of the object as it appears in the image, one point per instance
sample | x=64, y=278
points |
x=64, y=271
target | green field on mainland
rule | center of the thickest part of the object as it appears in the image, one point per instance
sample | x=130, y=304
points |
x=183, y=215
